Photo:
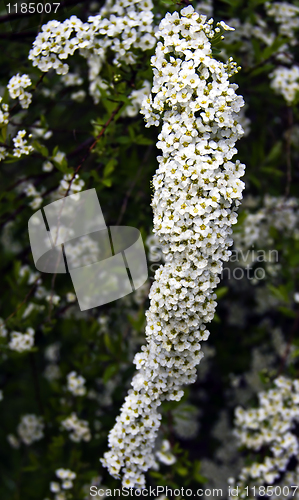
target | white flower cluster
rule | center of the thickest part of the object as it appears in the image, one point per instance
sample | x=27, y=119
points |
x=52, y=372
x=4, y=114
x=30, y=191
x=3, y=330
x=41, y=132
x=285, y=81
x=272, y=428
x=20, y=144
x=52, y=352
x=197, y=188
x=66, y=476
x=276, y=212
x=75, y=187
x=31, y=429
x=164, y=455
x=82, y=253
x=76, y=384
x=21, y=342
x=136, y=97
x=286, y=15
x=205, y=7
x=16, y=86
x=71, y=80
x=122, y=26
x=79, y=429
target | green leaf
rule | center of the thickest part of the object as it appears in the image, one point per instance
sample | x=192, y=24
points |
x=110, y=371
x=275, y=153
x=109, y=168
x=55, y=150
x=11, y=159
x=3, y=132
x=216, y=318
x=287, y=312
x=40, y=148
x=280, y=292
x=270, y=50
x=107, y=182
x=221, y=292
x=140, y=139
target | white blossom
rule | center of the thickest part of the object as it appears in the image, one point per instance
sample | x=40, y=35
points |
x=285, y=81
x=120, y=26
x=21, y=342
x=76, y=384
x=3, y=330
x=271, y=427
x=20, y=144
x=16, y=86
x=79, y=429
x=164, y=455
x=30, y=428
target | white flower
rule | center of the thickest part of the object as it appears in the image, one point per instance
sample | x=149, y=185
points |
x=3, y=330
x=164, y=455
x=270, y=427
x=13, y=441
x=21, y=342
x=79, y=429
x=71, y=297
x=4, y=119
x=30, y=429
x=120, y=27
x=285, y=81
x=76, y=384
x=59, y=157
x=47, y=166
x=20, y=145
x=16, y=86
x=67, y=484
x=65, y=474
x=54, y=487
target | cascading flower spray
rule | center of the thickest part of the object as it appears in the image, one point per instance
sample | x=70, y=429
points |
x=197, y=189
